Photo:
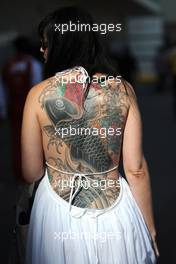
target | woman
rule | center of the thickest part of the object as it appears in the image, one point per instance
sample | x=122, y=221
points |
x=75, y=127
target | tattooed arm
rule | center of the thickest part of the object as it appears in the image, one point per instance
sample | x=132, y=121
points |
x=135, y=165
x=31, y=141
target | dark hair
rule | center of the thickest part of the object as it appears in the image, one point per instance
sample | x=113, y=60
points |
x=78, y=48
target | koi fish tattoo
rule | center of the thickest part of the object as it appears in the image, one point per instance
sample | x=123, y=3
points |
x=86, y=136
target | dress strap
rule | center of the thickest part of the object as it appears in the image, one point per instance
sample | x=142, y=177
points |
x=79, y=69
x=80, y=177
x=88, y=173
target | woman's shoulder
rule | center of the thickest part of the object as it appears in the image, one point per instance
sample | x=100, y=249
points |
x=41, y=85
x=35, y=93
x=38, y=88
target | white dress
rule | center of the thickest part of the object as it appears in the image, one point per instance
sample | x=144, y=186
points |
x=115, y=235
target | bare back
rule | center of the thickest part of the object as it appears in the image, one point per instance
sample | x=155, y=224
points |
x=83, y=136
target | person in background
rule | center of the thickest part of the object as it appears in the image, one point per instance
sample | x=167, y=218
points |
x=20, y=73
x=3, y=106
x=127, y=64
x=172, y=65
x=162, y=68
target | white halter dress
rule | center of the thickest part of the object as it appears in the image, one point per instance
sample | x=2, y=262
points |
x=61, y=233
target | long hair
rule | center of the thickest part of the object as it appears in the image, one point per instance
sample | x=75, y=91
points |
x=73, y=48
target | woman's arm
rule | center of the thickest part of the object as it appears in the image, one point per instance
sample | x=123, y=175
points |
x=135, y=165
x=31, y=140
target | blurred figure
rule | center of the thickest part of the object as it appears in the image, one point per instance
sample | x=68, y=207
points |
x=127, y=65
x=3, y=106
x=172, y=63
x=162, y=68
x=20, y=73
x=3, y=111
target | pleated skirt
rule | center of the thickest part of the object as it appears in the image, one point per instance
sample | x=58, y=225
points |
x=116, y=235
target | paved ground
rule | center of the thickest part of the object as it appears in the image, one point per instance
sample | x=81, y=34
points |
x=159, y=130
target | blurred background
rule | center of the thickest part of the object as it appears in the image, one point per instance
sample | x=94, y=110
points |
x=145, y=54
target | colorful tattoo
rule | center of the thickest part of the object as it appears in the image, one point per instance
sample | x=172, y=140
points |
x=105, y=109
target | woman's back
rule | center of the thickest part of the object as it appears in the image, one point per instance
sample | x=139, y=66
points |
x=83, y=139
x=80, y=140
